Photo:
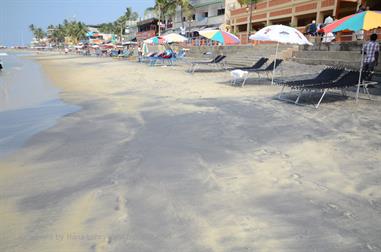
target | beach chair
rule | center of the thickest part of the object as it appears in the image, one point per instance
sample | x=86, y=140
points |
x=217, y=61
x=163, y=57
x=268, y=70
x=126, y=54
x=194, y=63
x=326, y=75
x=146, y=58
x=179, y=56
x=346, y=80
x=114, y=53
x=257, y=65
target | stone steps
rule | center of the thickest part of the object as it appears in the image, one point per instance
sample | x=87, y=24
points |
x=329, y=55
x=350, y=59
x=327, y=62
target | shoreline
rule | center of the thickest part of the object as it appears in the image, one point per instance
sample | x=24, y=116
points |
x=29, y=103
x=161, y=160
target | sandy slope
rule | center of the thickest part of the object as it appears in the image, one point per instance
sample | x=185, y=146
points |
x=161, y=160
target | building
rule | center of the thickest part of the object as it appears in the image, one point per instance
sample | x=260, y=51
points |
x=147, y=28
x=205, y=14
x=131, y=31
x=295, y=13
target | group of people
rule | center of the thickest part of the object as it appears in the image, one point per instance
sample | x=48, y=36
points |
x=314, y=28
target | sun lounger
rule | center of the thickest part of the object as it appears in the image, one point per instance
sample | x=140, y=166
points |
x=146, y=58
x=257, y=65
x=126, y=54
x=215, y=62
x=326, y=75
x=269, y=69
x=163, y=57
x=242, y=72
x=347, y=80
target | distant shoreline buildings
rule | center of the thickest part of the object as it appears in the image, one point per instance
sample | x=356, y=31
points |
x=230, y=15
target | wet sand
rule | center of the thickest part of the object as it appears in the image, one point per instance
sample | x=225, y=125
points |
x=161, y=160
x=28, y=102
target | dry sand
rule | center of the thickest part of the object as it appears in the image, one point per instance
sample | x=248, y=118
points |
x=161, y=160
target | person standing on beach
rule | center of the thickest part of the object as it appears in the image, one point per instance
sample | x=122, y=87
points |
x=140, y=53
x=312, y=30
x=371, y=53
x=328, y=20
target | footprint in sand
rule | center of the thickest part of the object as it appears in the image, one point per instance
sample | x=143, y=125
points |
x=296, y=177
x=333, y=206
x=121, y=208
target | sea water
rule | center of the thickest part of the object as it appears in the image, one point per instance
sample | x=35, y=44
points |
x=29, y=103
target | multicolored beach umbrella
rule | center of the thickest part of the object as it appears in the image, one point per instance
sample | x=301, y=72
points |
x=366, y=20
x=224, y=38
x=363, y=21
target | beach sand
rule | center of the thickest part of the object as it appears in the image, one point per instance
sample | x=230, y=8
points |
x=161, y=160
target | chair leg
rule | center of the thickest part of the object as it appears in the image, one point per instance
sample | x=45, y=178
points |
x=244, y=80
x=194, y=68
x=297, y=99
x=366, y=90
x=281, y=92
x=321, y=98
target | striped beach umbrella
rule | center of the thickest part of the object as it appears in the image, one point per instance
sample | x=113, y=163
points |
x=224, y=38
x=363, y=21
x=366, y=20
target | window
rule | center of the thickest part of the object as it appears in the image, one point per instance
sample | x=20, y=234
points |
x=242, y=28
x=205, y=14
x=184, y=19
x=194, y=17
x=220, y=12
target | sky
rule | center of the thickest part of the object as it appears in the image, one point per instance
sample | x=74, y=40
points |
x=17, y=15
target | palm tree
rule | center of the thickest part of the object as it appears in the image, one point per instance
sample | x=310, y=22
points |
x=58, y=34
x=38, y=33
x=186, y=9
x=165, y=9
x=31, y=27
x=247, y=2
x=122, y=20
x=106, y=28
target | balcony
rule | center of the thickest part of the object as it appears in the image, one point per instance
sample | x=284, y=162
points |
x=201, y=3
x=216, y=20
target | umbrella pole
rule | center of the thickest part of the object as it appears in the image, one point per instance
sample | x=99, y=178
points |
x=275, y=60
x=360, y=74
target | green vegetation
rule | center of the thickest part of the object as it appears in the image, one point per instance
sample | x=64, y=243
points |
x=38, y=33
x=73, y=30
x=167, y=8
x=117, y=27
x=247, y=2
